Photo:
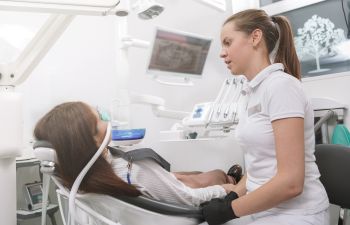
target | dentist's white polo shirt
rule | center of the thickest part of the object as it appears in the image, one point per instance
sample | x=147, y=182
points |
x=273, y=95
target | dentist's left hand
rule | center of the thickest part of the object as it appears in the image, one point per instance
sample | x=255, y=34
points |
x=219, y=211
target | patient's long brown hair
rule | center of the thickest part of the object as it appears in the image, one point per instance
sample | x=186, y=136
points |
x=70, y=128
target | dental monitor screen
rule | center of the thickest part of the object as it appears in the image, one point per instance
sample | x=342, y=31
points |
x=178, y=53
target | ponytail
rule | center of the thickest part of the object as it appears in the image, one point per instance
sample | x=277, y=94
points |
x=286, y=53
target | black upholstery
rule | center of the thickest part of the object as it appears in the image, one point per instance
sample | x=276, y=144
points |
x=164, y=207
x=334, y=164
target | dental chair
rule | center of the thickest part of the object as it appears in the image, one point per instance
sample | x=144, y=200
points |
x=102, y=209
x=333, y=162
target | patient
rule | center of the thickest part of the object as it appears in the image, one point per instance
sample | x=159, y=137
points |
x=76, y=131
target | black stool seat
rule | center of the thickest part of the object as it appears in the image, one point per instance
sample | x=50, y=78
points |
x=333, y=162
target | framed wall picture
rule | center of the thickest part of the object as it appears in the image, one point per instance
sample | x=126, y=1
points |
x=273, y=7
x=320, y=35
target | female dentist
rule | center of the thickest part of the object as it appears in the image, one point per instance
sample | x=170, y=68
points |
x=276, y=131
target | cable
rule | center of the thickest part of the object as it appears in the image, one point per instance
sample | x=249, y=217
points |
x=346, y=20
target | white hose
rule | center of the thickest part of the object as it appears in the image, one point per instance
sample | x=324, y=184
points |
x=76, y=184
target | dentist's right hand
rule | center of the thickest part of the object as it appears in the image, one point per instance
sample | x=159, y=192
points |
x=219, y=211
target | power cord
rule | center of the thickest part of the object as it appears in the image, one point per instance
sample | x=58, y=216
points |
x=346, y=19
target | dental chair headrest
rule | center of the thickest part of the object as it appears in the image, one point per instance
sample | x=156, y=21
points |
x=44, y=151
x=44, y=144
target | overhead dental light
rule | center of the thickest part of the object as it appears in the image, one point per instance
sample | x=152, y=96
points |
x=148, y=9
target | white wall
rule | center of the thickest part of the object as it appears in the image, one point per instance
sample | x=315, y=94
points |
x=79, y=67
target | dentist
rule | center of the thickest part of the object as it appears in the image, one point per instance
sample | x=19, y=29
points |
x=276, y=131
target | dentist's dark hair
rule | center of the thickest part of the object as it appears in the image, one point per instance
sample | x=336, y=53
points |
x=71, y=128
x=249, y=20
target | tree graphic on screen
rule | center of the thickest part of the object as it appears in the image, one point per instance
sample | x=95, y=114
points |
x=318, y=38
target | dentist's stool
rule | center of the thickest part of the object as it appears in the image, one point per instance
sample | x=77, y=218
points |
x=333, y=162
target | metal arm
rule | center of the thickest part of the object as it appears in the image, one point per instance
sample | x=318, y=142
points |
x=324, y=119
x=158, y=108
x=17, y=72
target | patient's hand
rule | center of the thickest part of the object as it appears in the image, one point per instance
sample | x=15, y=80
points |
x=229, y=187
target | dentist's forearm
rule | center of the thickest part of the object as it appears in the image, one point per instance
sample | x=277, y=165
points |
x=240, y=188
x=277, y=190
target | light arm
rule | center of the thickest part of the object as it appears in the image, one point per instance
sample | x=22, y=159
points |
x=17, y=72
x=71, y=7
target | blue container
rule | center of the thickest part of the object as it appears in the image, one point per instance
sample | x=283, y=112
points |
x=130, y=134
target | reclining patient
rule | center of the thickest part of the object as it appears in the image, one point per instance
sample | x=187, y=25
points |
x=76, y=131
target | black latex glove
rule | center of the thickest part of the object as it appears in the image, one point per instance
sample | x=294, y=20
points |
x=219, y=211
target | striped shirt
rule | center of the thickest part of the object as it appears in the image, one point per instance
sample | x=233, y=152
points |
x=155, y=182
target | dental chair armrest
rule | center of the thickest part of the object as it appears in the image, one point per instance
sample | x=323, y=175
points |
x=164, y=207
